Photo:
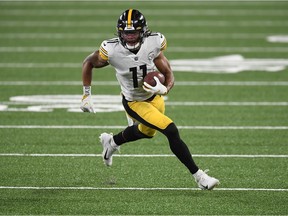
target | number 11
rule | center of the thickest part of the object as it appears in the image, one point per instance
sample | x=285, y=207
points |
x=134, y=71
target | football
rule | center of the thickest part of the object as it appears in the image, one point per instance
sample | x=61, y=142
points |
x=149, y=78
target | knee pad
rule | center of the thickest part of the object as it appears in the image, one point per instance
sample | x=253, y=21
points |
x=146, y=131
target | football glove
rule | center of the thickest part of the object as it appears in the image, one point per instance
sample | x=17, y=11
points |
x=159, y=88
x=87, y=104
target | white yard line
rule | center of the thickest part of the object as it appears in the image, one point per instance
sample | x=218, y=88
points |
x=123, y=126
x=139, y=188
x=170, y=23
x=72, y=104
x=178, y=83
x=159, y=2
x=171, y=49
x=151, y=12
x=230, y=103
x=228, y=49
x=142, y=155
x=230, y=83
x=41, y=65
x=182, y=36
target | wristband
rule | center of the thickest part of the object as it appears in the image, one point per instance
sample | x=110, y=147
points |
x=87, y=90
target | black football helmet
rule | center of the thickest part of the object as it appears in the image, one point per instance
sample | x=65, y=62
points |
x=132, y=28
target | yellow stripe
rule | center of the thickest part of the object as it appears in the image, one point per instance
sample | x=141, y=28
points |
x=103, y=50
x=104, y=57
x=129, y=18
x=103, y=53
x=164, y=45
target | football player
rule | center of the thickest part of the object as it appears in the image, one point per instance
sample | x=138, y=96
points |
x=134, y=53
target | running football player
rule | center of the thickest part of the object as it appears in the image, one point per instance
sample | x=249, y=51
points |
x=134, y=53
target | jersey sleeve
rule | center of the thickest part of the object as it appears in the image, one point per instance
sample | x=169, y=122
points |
x=103, y=51
x=163, y=42
x=160, y=43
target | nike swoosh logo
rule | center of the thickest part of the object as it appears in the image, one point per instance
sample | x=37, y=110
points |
x=205, y=187
x=105, y=155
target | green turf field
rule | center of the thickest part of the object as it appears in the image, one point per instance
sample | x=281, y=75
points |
x=229, y=101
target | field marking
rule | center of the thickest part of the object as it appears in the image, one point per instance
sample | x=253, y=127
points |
x=42, y=106
x=140, y=188
x=171, y=49
x=230, y=103
x=233, y=63
x=150, y=12
x=40, y=65
x=228, y=49
x=230, y=83
x=141, y=155
x=106, y=103
x=170, y=23
x=179, y=83
x=124, y=126
x=47, y=104
x=270, y=37
x=159, y=2
x=182, y=36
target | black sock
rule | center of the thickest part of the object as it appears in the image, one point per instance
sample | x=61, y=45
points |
x=130, y=134
x=179, y=148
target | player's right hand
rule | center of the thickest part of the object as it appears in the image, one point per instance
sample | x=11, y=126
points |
x=159, y=89
x=87, y=104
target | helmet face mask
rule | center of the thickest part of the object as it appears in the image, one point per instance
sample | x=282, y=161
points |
x=131, y=38
x=132, y=28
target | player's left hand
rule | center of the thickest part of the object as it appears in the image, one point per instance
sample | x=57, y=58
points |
x=159, y=88
x=87, y=104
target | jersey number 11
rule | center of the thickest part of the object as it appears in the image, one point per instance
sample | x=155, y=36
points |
x=135, y=71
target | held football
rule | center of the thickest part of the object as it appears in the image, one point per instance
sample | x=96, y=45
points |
x=149, y=78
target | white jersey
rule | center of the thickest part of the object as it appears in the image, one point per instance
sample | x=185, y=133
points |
x=131, y=68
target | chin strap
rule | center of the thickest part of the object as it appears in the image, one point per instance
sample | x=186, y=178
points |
x=132, y=48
